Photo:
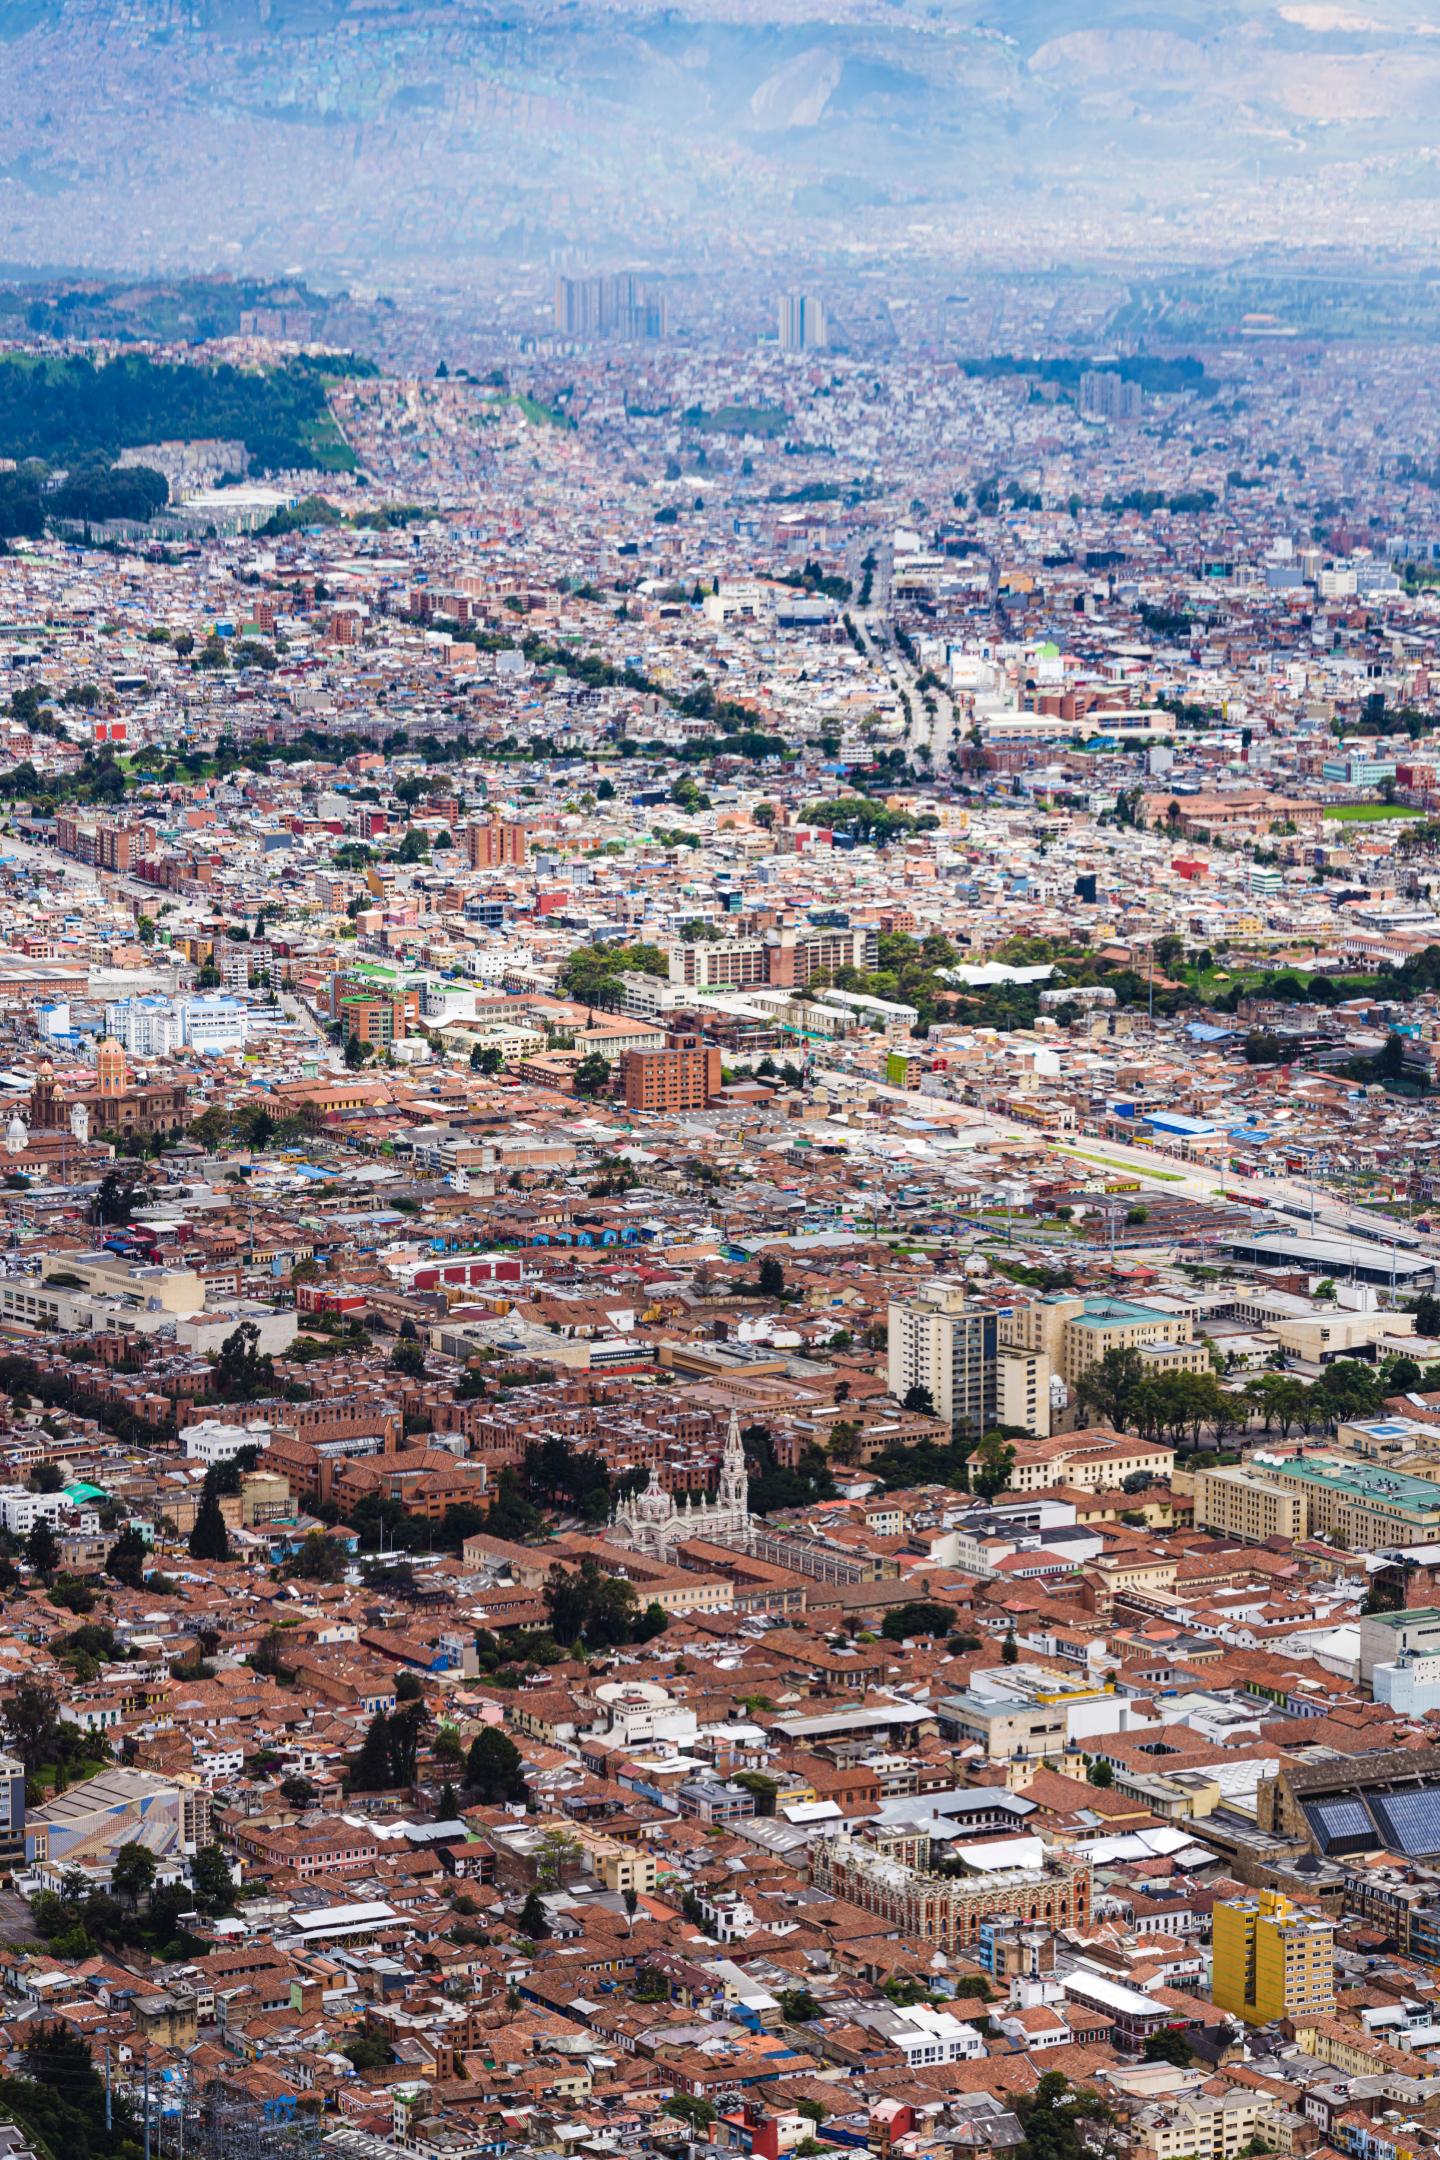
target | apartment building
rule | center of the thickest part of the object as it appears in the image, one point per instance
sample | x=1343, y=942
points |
x=495, y=844
x=1271, y=1960
x=682, y=1075
x=787, y=959
x=940, y=1341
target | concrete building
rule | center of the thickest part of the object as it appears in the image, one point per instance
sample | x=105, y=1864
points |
x=1271, y=1960
x=801, y=324
x=150, y=1027
x=1015, y=1877
x=684, y=1075
x=1243, y=1504
x=1372, y=1507
x=1077, y=1332
x=496, y=844
x=939, y=1341
x=86, y=1826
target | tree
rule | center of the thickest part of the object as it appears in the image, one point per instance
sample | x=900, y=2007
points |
x=486, y=1059
x=115, y=1200
x=407, y=1726
x=698, y=2113
x=494, y=1769
x=317, y=1558
x=920, y=1400
x=1427, y=1314
x=298, y=1792
x=128, y=1558
x=592, y=1076
x=557, y=1853
x=1169, y=2045
x=798, y=2006
x=1100, y=1774
x=771, y=1278
x=32, y=1722
x=846, y=1443
x=408, y=1358
x=371, y=1769
x=368, y=2051
x=214, y=1884
x=920, y=1617
x=991, y=1465
x=241, y=1372
x=631, y=1901
x=209, y=1540
x=1054, y=2115
x=132, y=1873
x=1010, y=1650
x=534, y=1921
x=1108, y=1386
x=42, y=1548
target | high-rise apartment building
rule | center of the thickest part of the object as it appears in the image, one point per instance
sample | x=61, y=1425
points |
x=1106, y=395
x=940, y=1341
x=1272, y=1960
x=495, y=845
x=802, y=324
x=622, y=306
x=682, y=1076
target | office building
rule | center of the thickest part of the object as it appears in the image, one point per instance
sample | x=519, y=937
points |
x=1371, y=1506
x=1272, y=1960
x=1242, y=1504
x=802, y=325
x=1075, y=1333
x=149, y=1027
x=940, y=1342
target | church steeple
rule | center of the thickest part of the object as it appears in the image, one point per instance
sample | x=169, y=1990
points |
x=734, y=1477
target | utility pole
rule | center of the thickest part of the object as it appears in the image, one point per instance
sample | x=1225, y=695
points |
x=109, y=2121
x=147, y=2104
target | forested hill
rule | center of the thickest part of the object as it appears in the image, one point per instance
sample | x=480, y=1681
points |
x=67, y=410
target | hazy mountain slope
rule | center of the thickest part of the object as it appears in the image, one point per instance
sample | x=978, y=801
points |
x=367, y=134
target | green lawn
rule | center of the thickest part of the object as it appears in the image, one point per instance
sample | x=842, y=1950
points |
x=1368, y=813
x=1168, y=1177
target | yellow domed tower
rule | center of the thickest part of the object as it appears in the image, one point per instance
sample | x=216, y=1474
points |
x=112, y=1074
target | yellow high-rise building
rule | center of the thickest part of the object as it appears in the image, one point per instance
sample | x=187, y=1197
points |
x=1271, y=1960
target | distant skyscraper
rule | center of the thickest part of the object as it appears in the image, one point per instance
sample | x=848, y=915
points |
x=802, y=323
x=623, y=306
x=1105, y=395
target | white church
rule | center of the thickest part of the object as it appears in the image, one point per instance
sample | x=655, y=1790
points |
x=654, y=1522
